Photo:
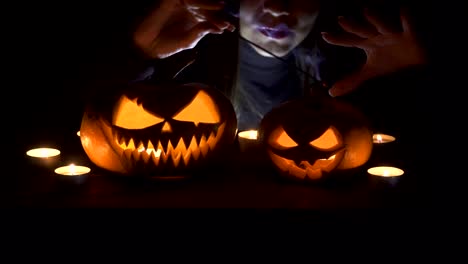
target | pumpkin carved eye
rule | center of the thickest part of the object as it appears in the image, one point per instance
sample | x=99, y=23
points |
x=129, y=114
x=202, y=109
x=328, y=140
x=281, y=140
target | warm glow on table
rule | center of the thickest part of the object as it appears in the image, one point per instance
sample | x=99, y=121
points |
x=43, y=153
x=385, y=171
x=249, y=134
x=72, y=170
x=382, y=138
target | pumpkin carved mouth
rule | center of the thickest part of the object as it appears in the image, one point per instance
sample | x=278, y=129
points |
x=304, y=169
x=169, y=150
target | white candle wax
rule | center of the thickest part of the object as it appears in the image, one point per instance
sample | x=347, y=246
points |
x=385, y=171
x=249, y=134
x=43, y=153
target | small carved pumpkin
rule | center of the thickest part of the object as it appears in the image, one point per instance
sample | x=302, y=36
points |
x=163, y=130
x=313, y=138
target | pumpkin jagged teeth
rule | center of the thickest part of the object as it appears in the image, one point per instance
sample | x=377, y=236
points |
x=212, y=141
x=313, y=174
x=143, y=144
x=186, y=157
x=164, y=154
x=196, y=139
x=181, y=146
x=187, y=140
x=177, y=152
x=136, y=155
x=150, y=146
x=127, y=141
x=131, y=144
x=295, y=170
x=117, y=136
x=121, y=140
x=146, y=155
x=176, y=158
x=128, y=154
x=203, y=146
x=169, y=148
x=194, y=149
x=156, y=157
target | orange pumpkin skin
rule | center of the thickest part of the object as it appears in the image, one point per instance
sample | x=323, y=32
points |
x=158, y=130
x=316, y=138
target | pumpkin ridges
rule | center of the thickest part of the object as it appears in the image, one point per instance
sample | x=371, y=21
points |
x=95, y=144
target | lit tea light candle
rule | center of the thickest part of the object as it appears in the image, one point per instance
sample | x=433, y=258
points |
x=249, y=134
x=72, y=170
x=385, y=171
x=73, y=174
x=78, y=133
x=247, y=139
x=382, y=138
x=43, y=153
x=385, y=176
x=44, y=157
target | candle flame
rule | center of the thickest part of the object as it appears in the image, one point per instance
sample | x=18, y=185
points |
x=72, y=169
x=382, y=138
x=379, y=138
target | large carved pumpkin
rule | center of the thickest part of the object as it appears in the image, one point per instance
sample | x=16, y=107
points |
x=158, y=131
x=313, y=138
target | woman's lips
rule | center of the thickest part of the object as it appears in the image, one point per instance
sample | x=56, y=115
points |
x=278, y=32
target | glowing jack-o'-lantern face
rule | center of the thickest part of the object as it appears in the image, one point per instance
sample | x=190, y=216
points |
x=311, y=139
x=159, y=130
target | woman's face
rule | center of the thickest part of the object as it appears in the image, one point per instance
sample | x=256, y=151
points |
x=277, y=25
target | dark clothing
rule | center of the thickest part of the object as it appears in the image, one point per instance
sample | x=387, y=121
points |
x=263, y=82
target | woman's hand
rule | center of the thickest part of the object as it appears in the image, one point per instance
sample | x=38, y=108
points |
x=177, y=25
x=387, y=50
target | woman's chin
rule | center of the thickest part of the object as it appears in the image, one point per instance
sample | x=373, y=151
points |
x=272, y=52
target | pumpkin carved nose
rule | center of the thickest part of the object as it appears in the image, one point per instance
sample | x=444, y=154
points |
x=166, y=128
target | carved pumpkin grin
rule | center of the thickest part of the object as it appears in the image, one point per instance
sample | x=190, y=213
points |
x=135, y=127
x=168, y=150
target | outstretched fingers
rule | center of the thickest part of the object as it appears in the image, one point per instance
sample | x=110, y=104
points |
x=377, y=22
x=345, y=40
x=404, y=19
